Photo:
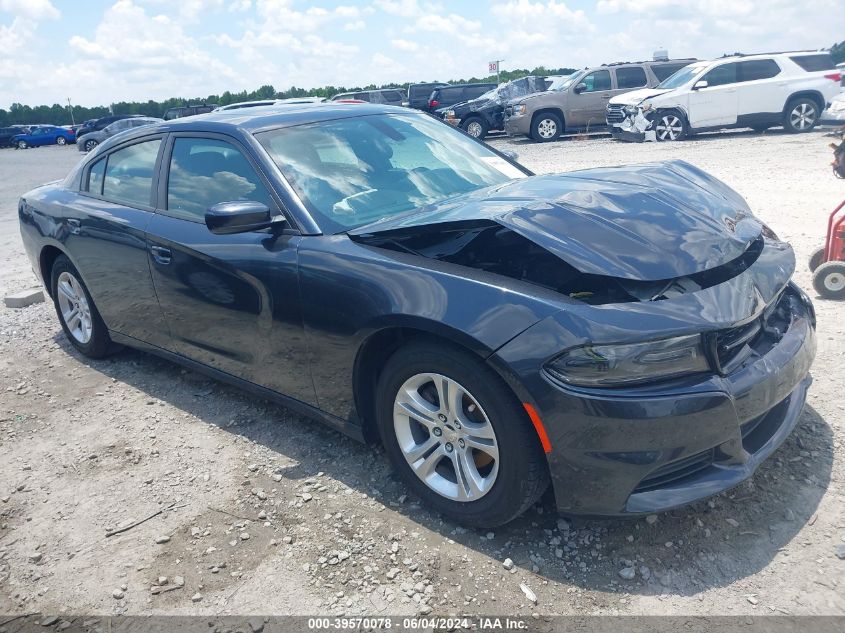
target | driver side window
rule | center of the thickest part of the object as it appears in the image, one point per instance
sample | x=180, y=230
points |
x=596, y=81
x=721, y=75
x=204, y=172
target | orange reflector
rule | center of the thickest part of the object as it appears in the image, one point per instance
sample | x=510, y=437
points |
x=538, y=426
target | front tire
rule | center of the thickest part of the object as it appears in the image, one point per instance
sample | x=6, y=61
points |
x=829, y=280
x=670, y=126
x=22, y=145
x=546, y=127
x=475, y=127
x=801, y=115
x=458, y=436
x=90, y=144
x=61, y=140
x=77, y=313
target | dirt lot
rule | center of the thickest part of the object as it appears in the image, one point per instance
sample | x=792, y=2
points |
x=269, y=512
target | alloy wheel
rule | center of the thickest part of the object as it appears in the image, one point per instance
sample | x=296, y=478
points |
x=547, y=128
x=803, y=116
x=669, y=128
x=74, y=307
x=22, y=145
x=89, y=145
x=60, y=140
x=446, y=437
x=474, y=129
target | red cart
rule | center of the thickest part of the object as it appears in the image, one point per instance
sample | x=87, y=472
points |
x=828, y=262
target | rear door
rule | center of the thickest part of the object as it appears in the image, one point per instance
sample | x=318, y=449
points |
x=587, y=106
x=231, y=301
x=105, y=227
x=762, y=90
x=718, y=103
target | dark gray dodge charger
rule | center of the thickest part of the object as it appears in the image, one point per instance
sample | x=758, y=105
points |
x=630, y=334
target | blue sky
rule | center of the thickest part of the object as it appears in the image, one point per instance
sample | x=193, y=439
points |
x=101, y=51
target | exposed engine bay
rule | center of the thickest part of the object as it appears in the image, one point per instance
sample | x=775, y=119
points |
x=488, y=246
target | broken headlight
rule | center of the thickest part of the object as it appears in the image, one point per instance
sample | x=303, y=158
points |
x=519, y=109
x=626, y=364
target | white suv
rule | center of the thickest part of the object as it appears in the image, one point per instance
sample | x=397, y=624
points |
x=756, y=91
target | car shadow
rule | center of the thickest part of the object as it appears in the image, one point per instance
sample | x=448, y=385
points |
x=686, y=551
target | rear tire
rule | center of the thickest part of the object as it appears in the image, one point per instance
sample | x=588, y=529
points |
x=801, y=115
x=829, y=280
x=546, y=127
x=428, y=450
x=475, y=127
x=816, y=259
x=61, y=140
x=77, y=313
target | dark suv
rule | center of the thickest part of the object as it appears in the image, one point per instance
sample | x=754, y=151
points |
x=6, y=134
x=487, y=112
x=188, y=110
x=418, y=94
x=387, y=96
x=441, y=98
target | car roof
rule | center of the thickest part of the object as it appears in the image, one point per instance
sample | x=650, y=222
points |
x=262, y=118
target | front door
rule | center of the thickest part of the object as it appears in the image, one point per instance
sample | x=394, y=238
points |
x=231, y=301
x=717, y=104
x=588, y=100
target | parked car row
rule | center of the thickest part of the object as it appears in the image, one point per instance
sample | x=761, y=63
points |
x=90, y=140
x=42, y=135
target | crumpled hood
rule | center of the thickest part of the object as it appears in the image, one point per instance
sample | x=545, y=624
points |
x=644, y=222
x=637, y=96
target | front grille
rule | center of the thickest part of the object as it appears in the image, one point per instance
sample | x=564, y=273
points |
x=675, y=471
x=731, y=347
x=615, y=113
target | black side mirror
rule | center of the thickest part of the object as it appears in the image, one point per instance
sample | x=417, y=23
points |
x=239, y=216
x=580, y=88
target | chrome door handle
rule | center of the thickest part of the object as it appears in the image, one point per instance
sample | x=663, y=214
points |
x=161, y=255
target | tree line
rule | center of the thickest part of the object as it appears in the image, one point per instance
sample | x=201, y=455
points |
x=58, y=114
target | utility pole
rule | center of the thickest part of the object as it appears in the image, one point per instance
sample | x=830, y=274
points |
x=70, y=107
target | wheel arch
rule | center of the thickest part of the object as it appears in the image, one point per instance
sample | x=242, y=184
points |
x=550, y=110
x=382, y=343
x=815, y=95
x=46, y=258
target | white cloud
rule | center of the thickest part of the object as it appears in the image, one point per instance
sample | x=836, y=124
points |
x=405, y=45
x=357, y=25
x=32, y=9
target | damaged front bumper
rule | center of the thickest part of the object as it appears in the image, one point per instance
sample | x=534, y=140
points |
x=649, y=448
x=629, y=123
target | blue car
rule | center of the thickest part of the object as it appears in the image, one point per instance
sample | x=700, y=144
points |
x=44, y=135
x=628, y=335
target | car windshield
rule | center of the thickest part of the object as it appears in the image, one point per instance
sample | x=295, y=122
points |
x=562, y=83
x=680, y=77
x=354, y=171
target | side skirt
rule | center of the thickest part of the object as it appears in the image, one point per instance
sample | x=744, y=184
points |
x=355, y=431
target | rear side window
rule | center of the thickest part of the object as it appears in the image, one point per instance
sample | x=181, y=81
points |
x=129, y=173
x=475, y=91
x=204, y=172
x=664, y=71
x=721, y=75
x=95, y=177
x=815, y=63
x=633, y=77
x=757, y=69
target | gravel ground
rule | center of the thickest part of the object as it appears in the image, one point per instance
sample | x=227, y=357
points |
x=265, y=511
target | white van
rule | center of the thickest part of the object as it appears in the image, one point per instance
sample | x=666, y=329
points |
x=756, y=91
